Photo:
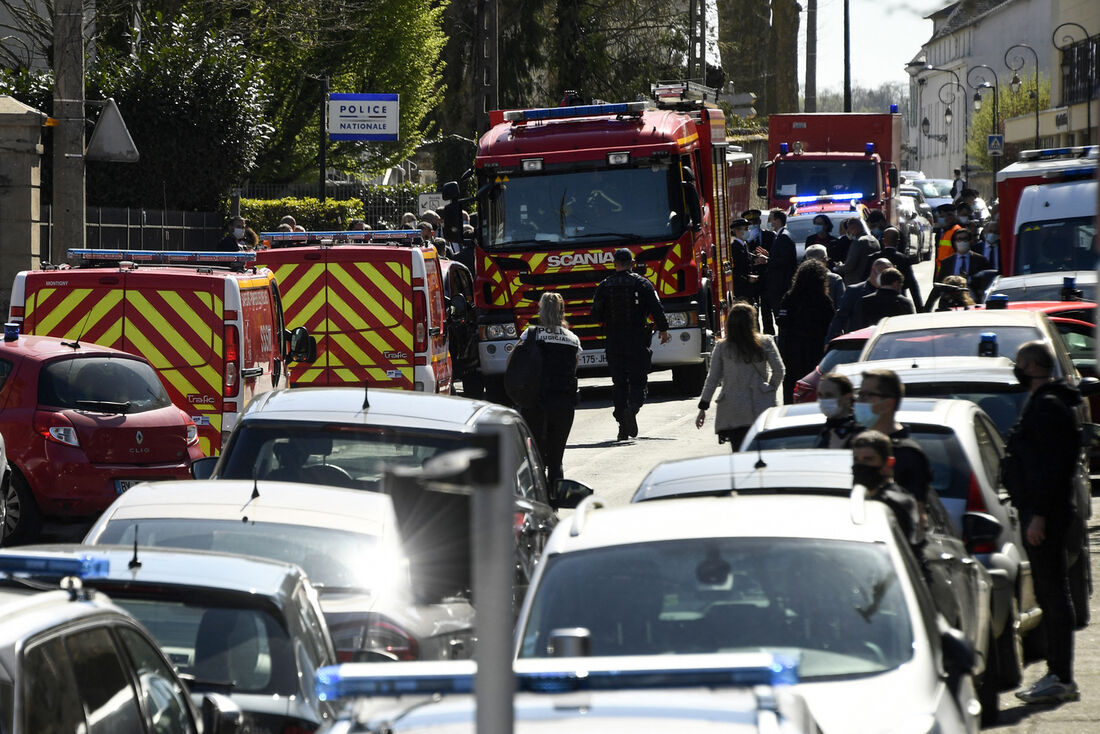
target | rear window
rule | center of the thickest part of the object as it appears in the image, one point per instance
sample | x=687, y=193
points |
x=101, y=384
x=959, y=341
x=1002, y=403
x=843, y=354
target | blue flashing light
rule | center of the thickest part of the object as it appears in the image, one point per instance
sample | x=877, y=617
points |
x=1069, y=281
x=83, y=566
x=355, y=235
x=868, y=148
x=163, y=257
x=395, y=679
x=855, y=196
x=893, y=109
x=997, y=301
x=987, y=345
x=561, y=113
x=784, y=148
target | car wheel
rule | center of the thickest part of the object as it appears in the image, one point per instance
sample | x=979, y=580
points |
x=22, y=520
x=1009, y=652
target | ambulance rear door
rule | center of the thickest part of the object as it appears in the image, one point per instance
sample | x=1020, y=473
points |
x=301, y=275
x=81, y=305
x=438, y=354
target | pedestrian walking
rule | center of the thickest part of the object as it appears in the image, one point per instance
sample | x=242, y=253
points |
x=887, y=299
x=957, y=185
x=890, y=239
x=622, y=303
x=836, y=400
x=1038, y=470
x=805, y=313
x=550, y=418
x=750, y=370
x=849, y=315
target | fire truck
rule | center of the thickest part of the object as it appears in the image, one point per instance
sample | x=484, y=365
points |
x=830, y=154
x=561, y=188
x=1047, y=211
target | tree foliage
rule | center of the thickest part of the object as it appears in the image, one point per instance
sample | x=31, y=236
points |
x=865, y=99
x=1010, y=104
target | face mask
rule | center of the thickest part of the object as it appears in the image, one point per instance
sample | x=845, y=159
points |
x=963, y=219
x=1021, y=376
x=991, y=238
x=877, y=231
x=869, y=476
x=963, y=246
x=821, y=229
x=829, y=407
x=865, y=414
x=940, y=221
x=754, y=232
x=238, y=232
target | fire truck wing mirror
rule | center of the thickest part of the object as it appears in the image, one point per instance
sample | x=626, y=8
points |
x=459, y=308
x=893, y=176
x=762, y=181
x=303, y=347
x=451, y=192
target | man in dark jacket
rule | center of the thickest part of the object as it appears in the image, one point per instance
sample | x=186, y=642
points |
x=744, y=280
x=890, y=239
x=782, y=261
x=873, y=467
x=963, y=262
x=621, y=303
x=1038, y=471
x=849, y=315
x=887, y=300
x=876, y=408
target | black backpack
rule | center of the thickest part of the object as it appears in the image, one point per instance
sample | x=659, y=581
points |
x=523, y=375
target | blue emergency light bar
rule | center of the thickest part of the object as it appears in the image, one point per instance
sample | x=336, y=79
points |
x=561, y=113
x=868, y=148
x=41, y=564
x=1044, y=154
x=784, y=148
x=856, y=196
x=163, y=257
x=351, y=235
x=560, y=675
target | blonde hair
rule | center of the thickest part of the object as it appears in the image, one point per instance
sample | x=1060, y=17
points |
x=551, y=310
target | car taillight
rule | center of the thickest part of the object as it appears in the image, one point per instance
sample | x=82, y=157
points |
x=803, y=392
x=192, y=429
x=519, y=520
x=378, y=636
x=232, y=361
x=55, y=427
x=976, y=503
x=420, y=322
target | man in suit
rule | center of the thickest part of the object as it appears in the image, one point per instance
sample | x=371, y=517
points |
x=758, y=242
x=890, y=238
x=849, y=316
x=861, y=254
x=782, y=260
x=963, y=262
x=887, y=300
x=744, y=280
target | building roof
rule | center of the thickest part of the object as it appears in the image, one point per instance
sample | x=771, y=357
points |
x=961, y=14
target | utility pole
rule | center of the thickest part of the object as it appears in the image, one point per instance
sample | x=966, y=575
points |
x=697, y=40
x=322, y=141
x=810, y=104
x=68, y=203
x=847, y=60
x=486, y=63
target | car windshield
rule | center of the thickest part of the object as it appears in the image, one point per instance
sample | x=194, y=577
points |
x=934, y=188
x=794, y=177
x=101, y=384
x=961, y=341
x=1045, y=247
x=331, y=454
x=247, y=647
x=838, y=605
x=801, y=227
x=614, y=204
x=333, y=559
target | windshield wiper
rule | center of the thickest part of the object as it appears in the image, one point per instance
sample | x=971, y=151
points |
x=104, y=406
x=619, y=235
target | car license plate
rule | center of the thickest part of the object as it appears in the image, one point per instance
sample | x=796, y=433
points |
x=121, y=485
x=593, y=359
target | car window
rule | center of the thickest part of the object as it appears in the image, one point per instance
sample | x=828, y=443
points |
x=838, y=605
x=102, y=384
x=525, y=475
x=537, y=482
x=987, y=451
x=50, y=701
x=1001, y=402
x=314, y=631
x=1080, y=345
x=959, y=341
x=164, y=697
x=103, y=684
x=844, y=354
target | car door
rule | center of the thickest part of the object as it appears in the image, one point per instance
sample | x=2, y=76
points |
x=534, y=517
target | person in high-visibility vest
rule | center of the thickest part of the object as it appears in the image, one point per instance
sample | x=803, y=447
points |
x=945, y=221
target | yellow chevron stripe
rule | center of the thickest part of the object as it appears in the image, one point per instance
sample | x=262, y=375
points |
x=138, y=301
x=689, y=139
x=197, y=325
x=73, y=303
x=304, y=282
x=309, y=375
x=346, y=375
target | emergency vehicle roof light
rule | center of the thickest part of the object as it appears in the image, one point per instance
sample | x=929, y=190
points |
x=342, y=236
x=47, y=564
x=561, y=113
x=784, y=148
x=894, y=109
x=162, y=257
x=868, y=148
x=557, y=675
x=1079, y=151
x=856, y=196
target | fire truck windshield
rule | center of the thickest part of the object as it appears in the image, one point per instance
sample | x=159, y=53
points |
x=555, y=207
x=1066, y=244
x=802, y=177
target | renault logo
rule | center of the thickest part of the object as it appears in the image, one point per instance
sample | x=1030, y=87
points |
x=139, y=438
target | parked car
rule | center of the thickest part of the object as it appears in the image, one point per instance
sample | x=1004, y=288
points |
x=228, y=623
x=71, y=660
x=917, y=240
x=82, y=423
x=801, y=225
x=936, y=190
x=959, y=586
x=1044, y=286
x=346, y=542
x=349, y=437
x=830, y=580
x=841, y=350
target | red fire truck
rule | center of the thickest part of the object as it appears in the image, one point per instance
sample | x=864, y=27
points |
x=561, y=188
x=830, y=154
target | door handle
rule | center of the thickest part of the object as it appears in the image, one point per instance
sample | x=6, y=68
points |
x=249, y=372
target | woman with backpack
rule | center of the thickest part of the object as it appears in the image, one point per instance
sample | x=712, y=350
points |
x=748, y=365
x=549, y=409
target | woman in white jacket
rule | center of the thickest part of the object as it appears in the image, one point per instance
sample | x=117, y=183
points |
x=751, y=371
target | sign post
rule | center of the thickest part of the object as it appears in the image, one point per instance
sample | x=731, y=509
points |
x=363, y=117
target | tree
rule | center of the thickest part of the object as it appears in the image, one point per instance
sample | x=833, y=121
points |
x=1010, y=104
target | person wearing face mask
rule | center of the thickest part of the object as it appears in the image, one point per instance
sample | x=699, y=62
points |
x=1041, y=457
x=239, y=236
x=991, y=244
x=873, y=464
x=836, y=398
x=963, y=262
x=947, y=227
x=876, y=407
x=876, y=221
x=822, y=234
x=837, y=249
x=849, y=314
x=758, y=243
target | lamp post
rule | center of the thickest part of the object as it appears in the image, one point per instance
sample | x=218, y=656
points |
x=1067, y=42
x=979, y=81
x=947, y=114
x=1014, y=85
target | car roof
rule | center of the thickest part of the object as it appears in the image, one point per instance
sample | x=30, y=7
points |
x=26, y=612
x=748, y=516
x=807, y=469
x=291, y=503
x=958, y=319
x=913, y=411
x=388, y=407
x=224, y=572
x=1052, y=278
x=41, y=348
x=936, y=369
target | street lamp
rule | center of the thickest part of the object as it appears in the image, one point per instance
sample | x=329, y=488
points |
x=1015, y=65
x=978, y=77
x=925, y=126
x=947, y=114
x=1068, y=42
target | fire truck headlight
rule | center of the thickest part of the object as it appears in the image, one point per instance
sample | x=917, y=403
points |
x=678, y=320
x=499, y=331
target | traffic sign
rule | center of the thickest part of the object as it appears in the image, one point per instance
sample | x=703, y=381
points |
x=995, y=144
x=432, y=200
x=363, y=116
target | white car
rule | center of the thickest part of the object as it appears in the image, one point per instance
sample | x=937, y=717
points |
x=1043, y=286
x=345, y=540
x=801, y=226
x=829, y=580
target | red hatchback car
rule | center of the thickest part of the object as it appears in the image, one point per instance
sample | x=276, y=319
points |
x=82, y=423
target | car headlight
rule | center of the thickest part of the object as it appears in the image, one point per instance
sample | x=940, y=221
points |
x=678, y=320
x=499, y=331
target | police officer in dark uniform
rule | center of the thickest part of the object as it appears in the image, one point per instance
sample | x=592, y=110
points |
x=622, y=302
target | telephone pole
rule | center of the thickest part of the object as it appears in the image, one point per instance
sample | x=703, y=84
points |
x=810, y=103
x=486, y=60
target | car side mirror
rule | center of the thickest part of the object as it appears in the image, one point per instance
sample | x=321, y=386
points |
x=958, y=654
x=566, y=494
x=303, y=347
x=695, y=208
x=979, y=282
x=460, y=310
x=893, y=176
x=220, y=714
x=980, y=528
x=203, y=468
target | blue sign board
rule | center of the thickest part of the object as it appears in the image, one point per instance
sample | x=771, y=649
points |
x=363, y=116
x=995, y=144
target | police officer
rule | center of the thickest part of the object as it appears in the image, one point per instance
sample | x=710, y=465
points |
x=622, y=302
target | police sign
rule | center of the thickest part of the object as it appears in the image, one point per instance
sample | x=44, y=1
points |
x=363, y=116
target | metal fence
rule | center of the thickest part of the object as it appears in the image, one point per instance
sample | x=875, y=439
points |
x=137, y=229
